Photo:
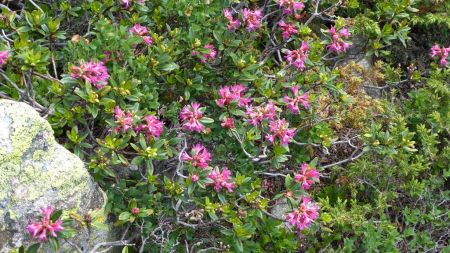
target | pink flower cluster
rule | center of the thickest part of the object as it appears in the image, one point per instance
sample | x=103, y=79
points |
x=280, y=129
x=211, y=55
x=307, y=176
x=142, y=32
x=227, y=123
x=127, y=3
x=124, y=120
x=440, y=52
x=287, y=29
x=3, y=57
x=191, y=115
x=256, y=114
x=94, y=73
x=298, y=57
x=291, y=6
x=232, y=93
x=252, y=19
x=152, y=127
x=338, y=45
x=304, y=216
x=221, y=179
x=233, y=24
x=292, y=103
x=199, y=156
x=45, y=227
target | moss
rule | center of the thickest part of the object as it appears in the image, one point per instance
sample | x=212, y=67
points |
x=37, y=162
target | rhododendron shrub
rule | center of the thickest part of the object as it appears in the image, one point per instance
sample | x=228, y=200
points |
x=244, y=126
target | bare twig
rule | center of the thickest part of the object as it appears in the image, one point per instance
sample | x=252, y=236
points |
x=350, y=159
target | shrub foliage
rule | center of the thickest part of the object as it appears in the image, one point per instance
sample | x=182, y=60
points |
x=245, y=126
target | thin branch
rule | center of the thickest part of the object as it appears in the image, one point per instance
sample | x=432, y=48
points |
x=350, y=159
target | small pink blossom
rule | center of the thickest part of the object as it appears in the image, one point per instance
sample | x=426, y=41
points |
x=291, y=6
x=252, y=19
x=287, y=29
x=139, y=30
x=440, y=52
x=95, y=73
x=3, y=57
x=194, y=178
x=199, y=156
x=233, y=24
x=135, y=210
x=40, y=228
x=126, y=3
x=298, y=57
x=304, y=216
x=279, y=129
x=148, y=40
x=191, y=115
x=152, y=127
x=232, y=93
x=307, y=176
x=259, y=113
x=124, y=120
x=142, y=32
x=292, y=103
x=221, y=179
x=210, y=56
x=228, y=123
x=338, y=45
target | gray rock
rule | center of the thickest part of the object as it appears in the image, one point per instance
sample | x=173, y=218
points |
x=35, y=172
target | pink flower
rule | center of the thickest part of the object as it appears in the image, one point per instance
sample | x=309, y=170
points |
x=307, y=176
x=292, y=103
x=304, y=216
x=287, y=29
x=279, y=129
x=194, y=178
x=124, y=120
x=3, y=57
x=233, y=24
x=291, y=6
x=199, y=156
x=191, y=116
x=252, y=19
x=338, y=45
x=107, y=56
x=40, y=228
x=228, y=123
x=94, y=73
x=142, y=32
x=211, y=55
x=259, y=113
x=139, y=30
x=148, y=40
x=221, y=179
x=235, y=93
x=135, y=210
x=298, y=57
x=125, y=3
x=442, y=53
x=152, y=127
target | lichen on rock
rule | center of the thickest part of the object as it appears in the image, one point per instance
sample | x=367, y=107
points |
x=35, y=172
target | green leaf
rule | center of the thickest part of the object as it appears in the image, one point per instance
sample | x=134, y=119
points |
x=33, y=248
x=56, y=215
x=137, y=160
x=206, y=120
x=54, y=244
x=125, y=216
x=168, y=67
